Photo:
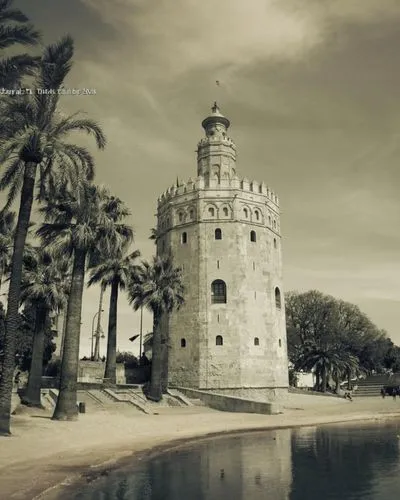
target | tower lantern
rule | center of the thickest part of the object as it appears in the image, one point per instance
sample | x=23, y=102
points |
x=216, y=153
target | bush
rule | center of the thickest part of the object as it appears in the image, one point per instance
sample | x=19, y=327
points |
x=53, y=368
x=129, y=360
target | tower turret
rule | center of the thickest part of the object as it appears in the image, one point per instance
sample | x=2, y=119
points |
x=216, y=153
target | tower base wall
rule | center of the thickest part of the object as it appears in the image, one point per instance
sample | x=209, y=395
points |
x=261, y=394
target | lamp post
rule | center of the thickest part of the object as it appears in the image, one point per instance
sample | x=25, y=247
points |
x=94, y=317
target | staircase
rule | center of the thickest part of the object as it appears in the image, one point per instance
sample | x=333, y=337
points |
x=127, y=399
x=372, y=385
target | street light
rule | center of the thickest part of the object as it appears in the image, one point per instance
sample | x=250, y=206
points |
x=91, y=350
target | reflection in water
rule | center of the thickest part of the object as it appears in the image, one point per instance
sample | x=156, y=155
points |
x=335, y=462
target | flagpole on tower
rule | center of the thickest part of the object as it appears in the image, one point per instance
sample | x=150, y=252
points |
x=217, y=93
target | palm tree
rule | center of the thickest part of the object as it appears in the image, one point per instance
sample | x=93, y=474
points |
x=7, y=225
x=44, y=287
x=37, y=133
x=78, y=224
x=13, y=68
x=114, y=272
x=159, y=288
x=326, y=360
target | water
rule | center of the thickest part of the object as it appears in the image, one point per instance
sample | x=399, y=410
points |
x=330, y=462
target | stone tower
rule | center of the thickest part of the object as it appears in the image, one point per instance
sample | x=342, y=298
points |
x=224, y=232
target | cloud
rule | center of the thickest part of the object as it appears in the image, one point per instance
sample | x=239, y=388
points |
x=178, y=36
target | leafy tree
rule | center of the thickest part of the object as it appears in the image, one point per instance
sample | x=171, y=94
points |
x=392, y=358
x=158, y=287
x=332, y=337
x=114, y=272
x=77, y=224
x=36, y=138
x=15, y=29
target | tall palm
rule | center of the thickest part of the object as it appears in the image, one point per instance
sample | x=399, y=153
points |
x=37, y=139
x=44, y=287
x=7, y=226
x=78, y=224
x=114, y=272
x=158, y=287
x=15, y=29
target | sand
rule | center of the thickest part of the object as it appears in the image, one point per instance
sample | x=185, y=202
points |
x=42, y=453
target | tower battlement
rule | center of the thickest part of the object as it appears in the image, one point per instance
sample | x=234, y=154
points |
x=200, y=184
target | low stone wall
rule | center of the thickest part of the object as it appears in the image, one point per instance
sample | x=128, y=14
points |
x=230, y=403
x=261, y=394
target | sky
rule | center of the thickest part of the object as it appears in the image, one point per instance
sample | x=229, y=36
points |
x=312, y=89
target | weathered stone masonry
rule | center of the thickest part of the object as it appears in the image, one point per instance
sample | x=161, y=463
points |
x=224, y=231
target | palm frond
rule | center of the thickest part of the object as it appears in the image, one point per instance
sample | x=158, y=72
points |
x=56, y=63
x=22, y=34
x=71, y=124
x=14, y=69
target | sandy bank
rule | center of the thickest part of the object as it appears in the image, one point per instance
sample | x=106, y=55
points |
x=42, y=453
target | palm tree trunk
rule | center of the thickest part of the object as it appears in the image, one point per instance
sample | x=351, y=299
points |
x=337, y=383
x=96, y=355
x=317, y=380
x=32, y=394
x=14, y=291
x=66, y=408
x=349, y=379
x=324, y=379
x=155, y=393
x=165, y=354
x=111, y=363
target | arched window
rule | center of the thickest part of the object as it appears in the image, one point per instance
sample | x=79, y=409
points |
x=274, y=242
x=219, y=340
x=253, y=236
x=277, y=298
x=274, y=224
x=211, y=212
x=218, y=234
x=184, y=237
x=245, y=213
x=183, y=342
x=280, y=343
x=257, y=215
x=218, y=292
x=225, y=212
x=256, y=341
x=191, y=213
x=180, y=215
x=269, y=220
